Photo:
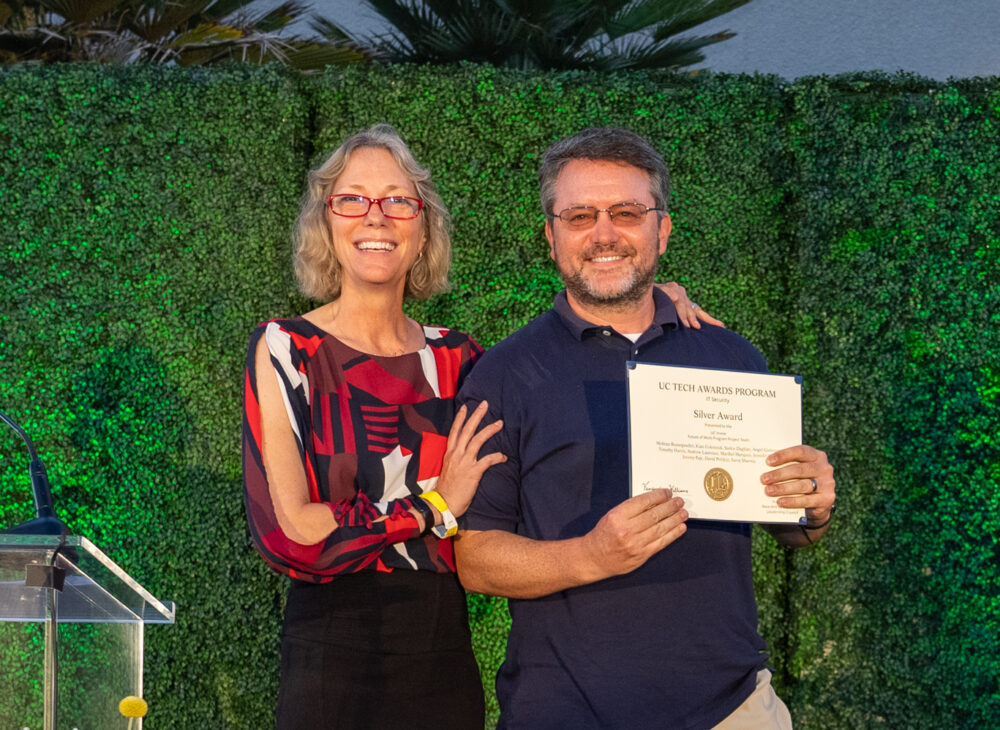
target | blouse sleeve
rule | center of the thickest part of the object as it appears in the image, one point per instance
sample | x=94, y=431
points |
x=359, y=538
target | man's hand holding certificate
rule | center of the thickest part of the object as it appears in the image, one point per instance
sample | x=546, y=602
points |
x=706, y=434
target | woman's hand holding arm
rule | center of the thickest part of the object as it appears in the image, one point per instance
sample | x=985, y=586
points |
x=462, y=468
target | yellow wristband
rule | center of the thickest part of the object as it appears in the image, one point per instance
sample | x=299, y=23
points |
x=435, y=498
x=450, y=526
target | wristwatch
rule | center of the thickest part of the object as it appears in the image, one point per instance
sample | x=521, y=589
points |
x=450, y=526
x=424, y=508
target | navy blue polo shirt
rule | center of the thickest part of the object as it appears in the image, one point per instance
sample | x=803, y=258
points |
x=674, y=644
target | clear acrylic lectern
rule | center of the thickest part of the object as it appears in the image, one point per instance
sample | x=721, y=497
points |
x=71, y=634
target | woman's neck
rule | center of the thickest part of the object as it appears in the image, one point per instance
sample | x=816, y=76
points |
x=374, y=323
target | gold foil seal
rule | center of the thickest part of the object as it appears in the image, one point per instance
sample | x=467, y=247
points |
x=718, y=484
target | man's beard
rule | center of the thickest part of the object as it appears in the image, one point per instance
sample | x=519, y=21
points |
x=632, y=288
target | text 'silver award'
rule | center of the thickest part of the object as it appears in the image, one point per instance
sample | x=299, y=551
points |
x=705, y=434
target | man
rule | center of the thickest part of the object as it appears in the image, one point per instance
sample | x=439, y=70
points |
x=625, y=615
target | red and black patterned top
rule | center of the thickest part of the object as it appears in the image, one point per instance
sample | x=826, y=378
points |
x=371, y=432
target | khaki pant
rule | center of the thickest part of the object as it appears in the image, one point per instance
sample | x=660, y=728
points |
x=762, y=710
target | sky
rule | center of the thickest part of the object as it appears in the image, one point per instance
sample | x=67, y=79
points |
x=791, y=38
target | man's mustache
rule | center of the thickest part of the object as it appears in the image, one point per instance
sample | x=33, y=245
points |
x=604, y=249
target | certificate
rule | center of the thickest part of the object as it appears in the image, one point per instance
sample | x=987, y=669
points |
x=705, y=434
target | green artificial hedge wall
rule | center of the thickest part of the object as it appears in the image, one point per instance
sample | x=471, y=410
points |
x=897, y=312
x=145, y=233
x=848, y=227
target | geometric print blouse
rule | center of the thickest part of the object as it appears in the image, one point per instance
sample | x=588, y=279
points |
x=371, y=433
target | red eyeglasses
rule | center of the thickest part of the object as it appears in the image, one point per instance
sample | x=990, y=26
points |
x=398, y=207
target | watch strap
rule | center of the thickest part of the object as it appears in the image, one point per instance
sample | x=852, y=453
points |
x=424, y=508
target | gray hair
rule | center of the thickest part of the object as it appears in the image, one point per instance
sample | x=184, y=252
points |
x=316, y=266
x=603, y=143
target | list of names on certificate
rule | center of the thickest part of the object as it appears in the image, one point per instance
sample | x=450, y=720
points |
x=715, y=447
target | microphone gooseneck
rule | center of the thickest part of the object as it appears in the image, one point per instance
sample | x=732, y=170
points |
x=45, y=522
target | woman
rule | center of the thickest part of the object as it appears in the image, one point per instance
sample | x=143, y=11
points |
x=351, y=484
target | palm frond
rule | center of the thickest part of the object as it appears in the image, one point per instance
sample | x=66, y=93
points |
x=154, y=22
x=669, y=17
x=645, y=53
x=81, y=11
x=205, y=34
x=485, y=37
x=415, y=26
x=408, y=19
x=694, y=16
x=29, y=44
x=265, y=46
x=573, y=22
x=224, y=8
x=273, y=20
x=214, y=45
x=314, y=56
x=556, y=34
x=641, y=14
x=328, y=29
x=118, y=48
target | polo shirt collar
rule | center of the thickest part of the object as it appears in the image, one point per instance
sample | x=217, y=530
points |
x=664, y=317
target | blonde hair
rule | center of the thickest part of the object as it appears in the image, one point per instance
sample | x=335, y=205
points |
x=316, y=266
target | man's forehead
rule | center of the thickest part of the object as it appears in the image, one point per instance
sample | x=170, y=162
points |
x=589, y=162
x=586, y=178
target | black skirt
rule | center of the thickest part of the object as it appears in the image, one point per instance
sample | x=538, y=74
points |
x=379, y=650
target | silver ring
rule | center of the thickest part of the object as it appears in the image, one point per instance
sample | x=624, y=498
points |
x=694, y=305
x=815, y=485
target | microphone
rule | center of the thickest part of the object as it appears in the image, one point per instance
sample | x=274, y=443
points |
x=45, y=522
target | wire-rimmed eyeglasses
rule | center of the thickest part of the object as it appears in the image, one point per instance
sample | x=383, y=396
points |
x=622, y=214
